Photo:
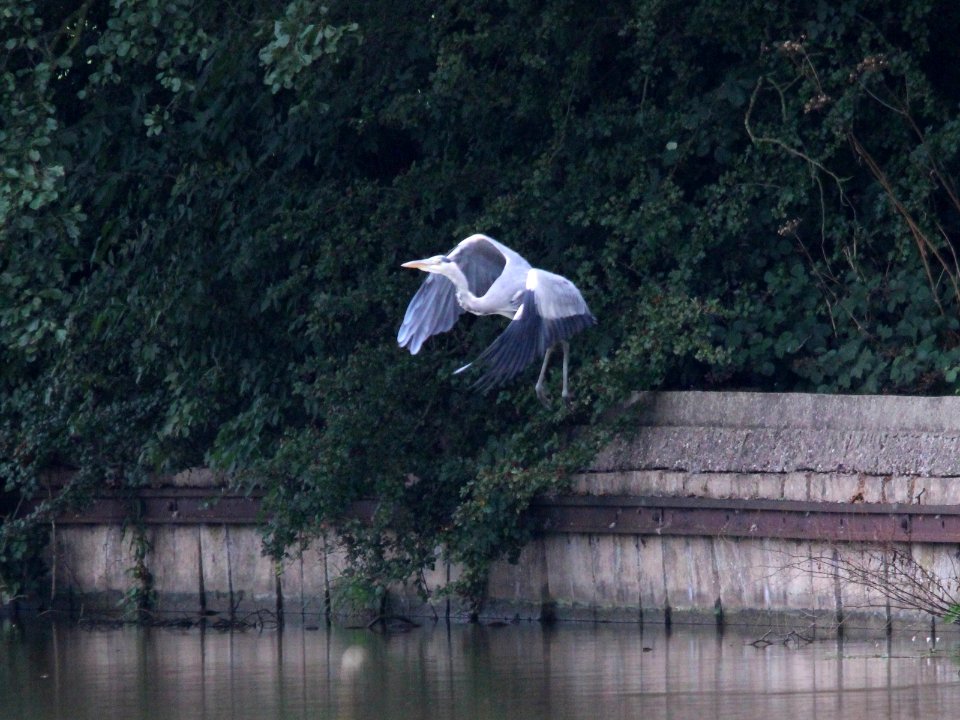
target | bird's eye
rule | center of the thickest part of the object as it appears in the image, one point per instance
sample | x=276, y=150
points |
x=445, y=259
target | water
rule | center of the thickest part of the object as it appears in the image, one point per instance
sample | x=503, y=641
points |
x=523, y=671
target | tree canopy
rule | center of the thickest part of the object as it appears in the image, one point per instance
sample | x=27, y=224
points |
x=204, y=206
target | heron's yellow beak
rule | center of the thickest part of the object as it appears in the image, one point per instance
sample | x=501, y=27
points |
x=430, y=264
x=427, y=264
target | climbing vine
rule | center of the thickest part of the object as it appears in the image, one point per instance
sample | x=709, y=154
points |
x=204, y=206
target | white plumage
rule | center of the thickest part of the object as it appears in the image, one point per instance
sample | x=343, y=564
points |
x=485, y=277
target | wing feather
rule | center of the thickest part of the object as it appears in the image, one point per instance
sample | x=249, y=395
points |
x=432, y=310
x=514, y=349
x=531, y=333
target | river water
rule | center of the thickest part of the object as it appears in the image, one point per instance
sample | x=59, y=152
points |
x=603, y=671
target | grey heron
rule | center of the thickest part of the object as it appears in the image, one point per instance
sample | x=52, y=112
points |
x=485, y=277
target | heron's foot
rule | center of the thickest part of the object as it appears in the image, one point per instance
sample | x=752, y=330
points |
x=567, y=398
x=542, y=395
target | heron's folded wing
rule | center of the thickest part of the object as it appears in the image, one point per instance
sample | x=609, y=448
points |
x=434, y=309
x=562, y=308
x=481, y=260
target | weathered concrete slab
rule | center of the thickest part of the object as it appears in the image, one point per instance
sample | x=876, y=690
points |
x=829, y=487
x=305, y=580
x=198, y=477
x=650, y=574
x=860, y=413
x=92, y=561
x=253, y=576
x=174, y=561
x=520, y=590
x=214, y=568
x=764, y=450
x=780, y=433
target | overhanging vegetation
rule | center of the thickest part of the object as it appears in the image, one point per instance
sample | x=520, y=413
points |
x=204, y=206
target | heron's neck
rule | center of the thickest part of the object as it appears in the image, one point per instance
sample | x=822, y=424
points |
x=453, y=271
x=466, y=298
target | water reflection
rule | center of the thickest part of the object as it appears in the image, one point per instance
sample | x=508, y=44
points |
x=464, y=672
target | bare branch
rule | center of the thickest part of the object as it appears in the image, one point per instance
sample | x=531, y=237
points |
x=924, y=246
x=889, y=573
x=763, y=139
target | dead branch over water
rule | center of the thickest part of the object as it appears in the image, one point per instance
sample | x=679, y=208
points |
x=892, y=577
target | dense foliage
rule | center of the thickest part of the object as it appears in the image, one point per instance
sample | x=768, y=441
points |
x=204, y=206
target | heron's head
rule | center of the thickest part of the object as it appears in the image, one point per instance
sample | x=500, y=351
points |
x=436, y=264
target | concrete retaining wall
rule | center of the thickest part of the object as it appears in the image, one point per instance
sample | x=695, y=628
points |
x=826, y=449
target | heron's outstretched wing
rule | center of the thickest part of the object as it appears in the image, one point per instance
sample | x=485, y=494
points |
x=434, y=308
x=551, y=310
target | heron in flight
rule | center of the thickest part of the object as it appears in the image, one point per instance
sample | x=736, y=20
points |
x=485, y=277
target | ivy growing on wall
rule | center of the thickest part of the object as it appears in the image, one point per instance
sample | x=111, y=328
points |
x=204, y=207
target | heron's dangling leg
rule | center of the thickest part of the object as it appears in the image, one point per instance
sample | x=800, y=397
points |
x=566, y=370
x=541, y=391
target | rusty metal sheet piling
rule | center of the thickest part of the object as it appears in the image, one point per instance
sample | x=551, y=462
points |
x=780, y=519
x=594, y=514
x=173, y=505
